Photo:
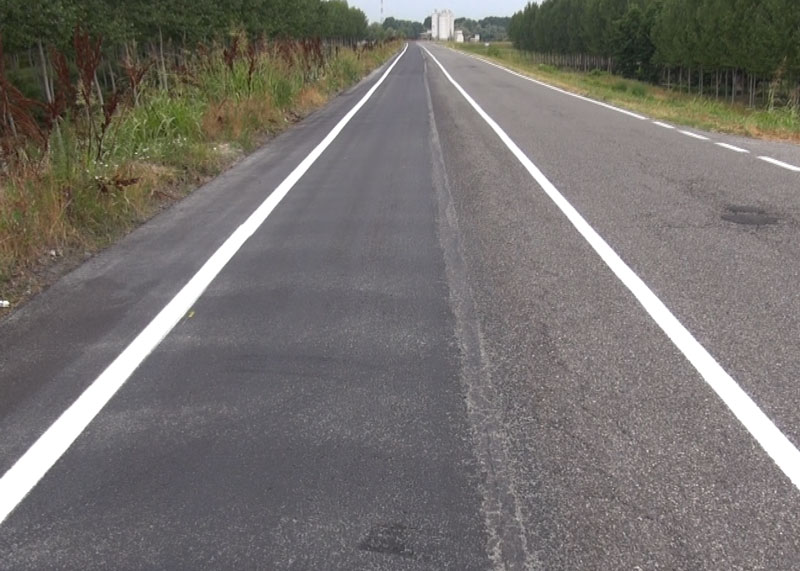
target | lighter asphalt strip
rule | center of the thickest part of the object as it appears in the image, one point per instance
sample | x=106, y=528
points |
x=23, y=476
x=558, y=89
x=697, y=136
x=782, y=451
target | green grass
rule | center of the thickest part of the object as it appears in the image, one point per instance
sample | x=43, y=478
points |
x=620, y=86
x=639, y=90
x=655, y=102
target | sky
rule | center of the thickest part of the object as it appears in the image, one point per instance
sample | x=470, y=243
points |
x=418, y=10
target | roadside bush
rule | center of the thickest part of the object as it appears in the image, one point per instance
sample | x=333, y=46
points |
x=343, y=71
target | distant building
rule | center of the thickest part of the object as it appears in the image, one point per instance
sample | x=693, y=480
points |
x=459, y=37
x=443, y=25
x=476, y=39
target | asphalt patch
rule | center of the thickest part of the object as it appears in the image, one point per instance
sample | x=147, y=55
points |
x=389, y=539
x=749, y=216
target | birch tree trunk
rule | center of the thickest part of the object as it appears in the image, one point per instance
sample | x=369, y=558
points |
x=163, y=70
x=45, y=78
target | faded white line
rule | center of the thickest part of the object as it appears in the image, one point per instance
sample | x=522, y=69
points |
x=665, y=125
x=785, y=455
x=732, y=148
x=780, y=164
x=554, y=88
x=693, y=135
x=21, y=478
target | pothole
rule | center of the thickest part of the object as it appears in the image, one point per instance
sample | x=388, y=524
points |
x=749, y=216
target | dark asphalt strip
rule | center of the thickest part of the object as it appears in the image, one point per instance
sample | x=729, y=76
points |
x=57, y=344
x=309, y=413
x=56, y=440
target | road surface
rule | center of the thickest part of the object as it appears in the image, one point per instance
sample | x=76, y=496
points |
x=455, y=320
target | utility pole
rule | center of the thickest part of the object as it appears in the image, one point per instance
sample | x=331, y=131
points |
x=381, y=12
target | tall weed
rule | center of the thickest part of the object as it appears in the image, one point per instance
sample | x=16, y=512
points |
x=102, y=167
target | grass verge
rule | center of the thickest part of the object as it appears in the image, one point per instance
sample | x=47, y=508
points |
x=655, y=102
x=61, y=203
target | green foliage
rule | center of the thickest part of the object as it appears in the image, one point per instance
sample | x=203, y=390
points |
x=621, y=86
x=639, y=90
x=157, y=128
x=24, y=23
x=754, y=35
x=342, y=72
x=632, y=46
x=644, y=39
x=397, y=29
x=376, y=33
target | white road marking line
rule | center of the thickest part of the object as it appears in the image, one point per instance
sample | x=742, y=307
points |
x=732, y=148
x=554, y=88
x=626, y=112
x=780, y=164
x=694, y=135
x=785, y=455
x=21, y=478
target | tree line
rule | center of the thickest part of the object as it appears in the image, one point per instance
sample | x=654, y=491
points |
x=491, y=29
x=392, y=28
x=24, y=24
x=735, y=47
x=165, y=31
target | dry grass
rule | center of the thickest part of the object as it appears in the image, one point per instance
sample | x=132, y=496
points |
x=231, y=120
x=311, y=98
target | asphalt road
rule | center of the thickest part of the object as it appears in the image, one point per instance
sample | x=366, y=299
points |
x=417, y=361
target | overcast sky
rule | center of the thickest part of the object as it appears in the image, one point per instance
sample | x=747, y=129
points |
x=418, y=10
